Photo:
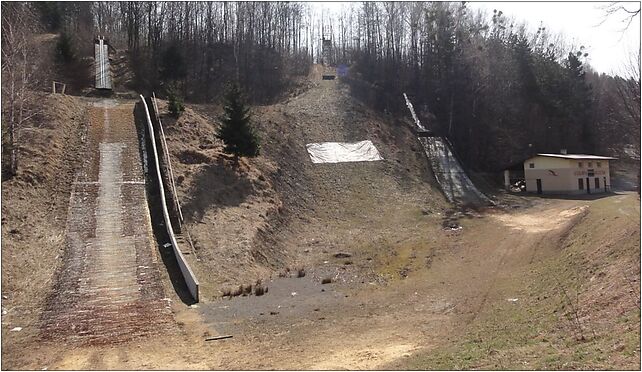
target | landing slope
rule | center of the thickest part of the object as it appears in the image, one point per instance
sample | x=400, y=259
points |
x=280, y=210
x=345, y=205
x=451, y=175
x=109, y=288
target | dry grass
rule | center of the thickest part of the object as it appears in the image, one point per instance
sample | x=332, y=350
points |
x=577, y=307
x=226, y=205
x=34, y=212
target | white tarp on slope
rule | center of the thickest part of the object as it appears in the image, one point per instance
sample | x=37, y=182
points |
x=340, y=152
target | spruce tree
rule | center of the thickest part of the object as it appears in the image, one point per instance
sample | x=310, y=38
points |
x=236, y=130
x=175, y=103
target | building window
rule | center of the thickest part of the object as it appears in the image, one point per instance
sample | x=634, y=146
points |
x=590, y=164
x=599, y=164
x=531, y=165
x=580, y=183
x=597, y=183
x=579, y=164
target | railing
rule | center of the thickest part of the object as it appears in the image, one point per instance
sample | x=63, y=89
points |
x=186, y=271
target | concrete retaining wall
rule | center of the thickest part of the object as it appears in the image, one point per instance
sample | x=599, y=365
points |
x=173, y=207
x=188, y=274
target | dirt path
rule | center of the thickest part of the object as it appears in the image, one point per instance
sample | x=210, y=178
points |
x=301, y=324
x=109, y=289
x=344, y=328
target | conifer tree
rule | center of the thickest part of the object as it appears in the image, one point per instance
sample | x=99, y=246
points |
x=175, y=103
x=236, y=130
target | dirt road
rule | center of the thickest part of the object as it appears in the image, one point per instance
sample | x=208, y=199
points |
x=469, y=274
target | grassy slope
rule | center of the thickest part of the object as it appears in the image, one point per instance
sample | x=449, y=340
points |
x=578, y=307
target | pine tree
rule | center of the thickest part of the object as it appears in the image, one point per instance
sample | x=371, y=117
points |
x=236, y=130
x=580, y=99
x=175, y=103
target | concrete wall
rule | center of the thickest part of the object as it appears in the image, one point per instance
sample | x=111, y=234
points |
x=173, y=206
x=186, y=271
x=560, y=176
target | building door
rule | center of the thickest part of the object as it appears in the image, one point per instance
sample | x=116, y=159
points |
x=588, y=186
x=539, y=185
x=604, y=179
x=597, y=183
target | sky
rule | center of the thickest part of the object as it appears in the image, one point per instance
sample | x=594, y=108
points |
x=582, y=23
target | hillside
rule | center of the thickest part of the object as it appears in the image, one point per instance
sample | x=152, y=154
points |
x=34, y=213
x=565, y=298
x=294, y=213
x=414, y=283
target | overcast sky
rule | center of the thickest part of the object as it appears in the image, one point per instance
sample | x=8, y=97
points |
x=582, y=23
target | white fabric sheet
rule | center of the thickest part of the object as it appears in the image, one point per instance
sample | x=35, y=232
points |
x=341, y=152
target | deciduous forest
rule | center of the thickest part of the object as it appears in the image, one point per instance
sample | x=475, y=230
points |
x=483, y=80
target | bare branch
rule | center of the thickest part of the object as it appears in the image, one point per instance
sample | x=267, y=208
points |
x=617, y=9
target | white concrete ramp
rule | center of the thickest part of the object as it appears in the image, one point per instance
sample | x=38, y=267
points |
x=450, y=175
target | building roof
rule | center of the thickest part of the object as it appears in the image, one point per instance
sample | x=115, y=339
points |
x=578, y=156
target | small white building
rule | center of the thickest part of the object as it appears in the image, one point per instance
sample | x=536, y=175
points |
x=567, y=174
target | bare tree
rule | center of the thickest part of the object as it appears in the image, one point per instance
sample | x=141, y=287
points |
x=628, y=87
x=18, y=74
x=626, y=11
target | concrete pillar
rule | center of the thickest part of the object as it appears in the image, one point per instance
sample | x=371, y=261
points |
x=507, y=179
